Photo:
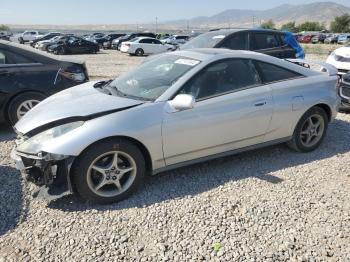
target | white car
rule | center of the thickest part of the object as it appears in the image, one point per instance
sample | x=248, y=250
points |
x=340, y=58
x=145, y=46
x=28, y=36
x=176, y=39
x=42, y=45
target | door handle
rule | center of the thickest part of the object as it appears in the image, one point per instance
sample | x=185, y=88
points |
x=260, y=103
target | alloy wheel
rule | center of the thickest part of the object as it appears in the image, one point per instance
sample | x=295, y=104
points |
x=24, y=107
x=312, y=130
x=111, y=174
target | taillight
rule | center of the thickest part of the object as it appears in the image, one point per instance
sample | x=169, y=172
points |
x=75, y=76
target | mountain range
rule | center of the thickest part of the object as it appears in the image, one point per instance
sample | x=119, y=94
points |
x=323, y=12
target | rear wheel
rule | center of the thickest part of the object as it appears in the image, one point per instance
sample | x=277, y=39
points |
x=109, y=171
x=310, y=130
x=139, y=52
x=21, y=104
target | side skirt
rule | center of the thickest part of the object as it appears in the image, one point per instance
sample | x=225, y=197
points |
x=223, y=154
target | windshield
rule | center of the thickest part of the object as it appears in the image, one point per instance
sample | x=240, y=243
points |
x=151, y=79
x=207, y=40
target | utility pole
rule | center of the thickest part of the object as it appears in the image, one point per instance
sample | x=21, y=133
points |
x=253, y=21
x=156, y=24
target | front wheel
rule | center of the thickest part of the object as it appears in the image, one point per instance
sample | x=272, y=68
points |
x=109, y=171
x=21, y=104
x=310, y=130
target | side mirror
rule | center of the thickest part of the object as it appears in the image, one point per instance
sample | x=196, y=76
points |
x=181, y=102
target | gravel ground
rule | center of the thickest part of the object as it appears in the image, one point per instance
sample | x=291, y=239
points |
x=268, y=205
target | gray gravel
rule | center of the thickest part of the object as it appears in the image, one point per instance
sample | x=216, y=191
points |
x=271, y=204
x=266, y=205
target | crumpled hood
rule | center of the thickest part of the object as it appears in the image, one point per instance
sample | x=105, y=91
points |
x=343, y=51
x=79, y=101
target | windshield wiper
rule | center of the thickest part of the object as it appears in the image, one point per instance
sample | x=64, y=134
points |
x=115, y=90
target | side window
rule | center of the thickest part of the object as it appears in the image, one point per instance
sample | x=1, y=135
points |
x=157, y=42
x=271, y=73
x=236, y=42
x=264, y=41
x=222, y=77
x=14, y=58
x=146, y=41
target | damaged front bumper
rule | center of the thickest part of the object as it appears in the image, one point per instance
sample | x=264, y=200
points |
x=48, y=171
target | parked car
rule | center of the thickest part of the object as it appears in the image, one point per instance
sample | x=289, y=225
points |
x=44, y=37
x=173, y=110
x=176, y=39
x=91, y=37
x=5, y=35
x=315, y=39
x=145, y=46
x=117, y=43
x=343, y=39
x=340, y=58
x=331, y=39
x=73, y=45
x=275, y=43
x=305, y=39
x=344, y=92
x=107, y=43
x=27, y=36
x=44, y=44
x=28, y=76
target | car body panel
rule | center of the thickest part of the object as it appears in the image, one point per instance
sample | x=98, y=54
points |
x=231, y=121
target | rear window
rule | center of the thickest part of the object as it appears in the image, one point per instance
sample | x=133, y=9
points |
x=271, y=73
x=206, y=40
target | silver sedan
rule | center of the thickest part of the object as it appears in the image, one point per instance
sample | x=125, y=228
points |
x=101, y=139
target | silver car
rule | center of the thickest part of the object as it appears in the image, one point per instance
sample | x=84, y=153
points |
x=101, y=139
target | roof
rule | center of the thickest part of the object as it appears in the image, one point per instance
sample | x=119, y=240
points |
x=35, y=52
x=234, y=30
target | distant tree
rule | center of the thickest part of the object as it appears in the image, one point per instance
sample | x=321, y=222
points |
x=341, y=24
x=311, y=26
x=268, y=24
x=4, y=28
x=291, y=27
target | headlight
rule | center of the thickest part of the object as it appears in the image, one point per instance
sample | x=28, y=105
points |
x=33, y=144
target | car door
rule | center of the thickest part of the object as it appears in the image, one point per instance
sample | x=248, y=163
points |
x=146, y=45
x=232, y=110
x=158, y=47
x=266, y=43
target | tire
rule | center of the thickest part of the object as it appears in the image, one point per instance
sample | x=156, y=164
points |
x=59, y=51
x=21, y=103
x=139, y=52
x=302, y=131
x=87, y=180
x=20, y=40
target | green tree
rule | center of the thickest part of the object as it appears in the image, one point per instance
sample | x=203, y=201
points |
x=311, y=26
x=291, y=27
x=268, y=24
x=4, y=28
x=341, y=24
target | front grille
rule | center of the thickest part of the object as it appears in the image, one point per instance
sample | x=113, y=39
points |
x=345, y=91
x=343, y=71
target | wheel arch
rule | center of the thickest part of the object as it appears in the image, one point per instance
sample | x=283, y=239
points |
x=145, y=152
x=14, y=96
x=326, y=108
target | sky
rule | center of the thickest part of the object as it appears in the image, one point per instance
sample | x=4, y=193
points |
x=66, y=12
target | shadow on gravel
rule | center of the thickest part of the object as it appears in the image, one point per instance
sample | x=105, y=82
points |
x=6, y=133
x=193, y=180
x=11, y=199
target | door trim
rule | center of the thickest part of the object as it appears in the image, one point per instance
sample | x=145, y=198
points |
x=219, y=155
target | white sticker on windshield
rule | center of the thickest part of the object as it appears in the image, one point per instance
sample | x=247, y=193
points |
x=188, y=62
x=219, y=37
